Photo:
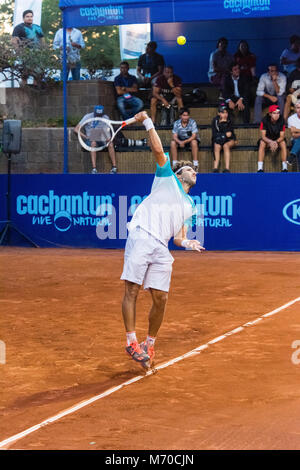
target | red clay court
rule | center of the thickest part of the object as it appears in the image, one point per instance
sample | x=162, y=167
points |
x=62, y=327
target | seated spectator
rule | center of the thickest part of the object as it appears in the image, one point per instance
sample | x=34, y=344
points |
x=235, y=92
x=87, y=136
x=211, y=71
x=246, y=60
x=293, y=90
x=223, y=137
x=150, y=65
x=221, y=63
x=29, y=35
x=294, y=125
x=272, y=137
x=185, y=135
x=289, y=56
x=166, y=90
x=74, y=43
x=126, y=85
x=270, y=90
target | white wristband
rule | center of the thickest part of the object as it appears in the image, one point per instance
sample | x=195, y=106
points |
x=148, y=124
x=185, y=243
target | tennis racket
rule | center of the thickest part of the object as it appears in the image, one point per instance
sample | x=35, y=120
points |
x=102, y=132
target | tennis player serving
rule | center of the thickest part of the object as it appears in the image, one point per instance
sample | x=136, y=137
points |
x=167, y=212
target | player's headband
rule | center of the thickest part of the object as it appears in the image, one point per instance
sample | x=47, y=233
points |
x=182, y=168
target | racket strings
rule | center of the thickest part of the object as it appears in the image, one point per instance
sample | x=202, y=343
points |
x=101, y=132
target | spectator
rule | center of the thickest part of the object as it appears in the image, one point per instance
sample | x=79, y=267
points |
x=185, y=135
x=293, y=90
x=221, y=63
x=246, y=60
x=126, y=85
x=235, y=92
x=89, y=140
x=289, y=56
x=270, y=90
x=74, y=42
x=168, y=88
x=223, y=137
x=211, y=71
x=27, y=34
x=150, y=65
x=272, y=130
x=294, y=125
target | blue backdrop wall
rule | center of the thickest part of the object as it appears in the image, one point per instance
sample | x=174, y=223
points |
x=239, y=212
x=267, y=38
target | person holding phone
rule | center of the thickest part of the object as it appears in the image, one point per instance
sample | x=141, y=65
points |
x=126, y=86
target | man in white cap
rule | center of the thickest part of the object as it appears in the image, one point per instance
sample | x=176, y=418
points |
x=98, y=112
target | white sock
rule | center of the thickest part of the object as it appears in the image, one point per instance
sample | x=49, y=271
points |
x=150, y=340
x=260, y=165
x=174, y=162
x=195, y=163
x=131, y=337
x=284, y=165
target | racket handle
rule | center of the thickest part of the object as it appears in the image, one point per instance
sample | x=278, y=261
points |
x=129, y=121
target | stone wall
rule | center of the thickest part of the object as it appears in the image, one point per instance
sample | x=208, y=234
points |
x=33, y=105
x=42, y=151
x=42, y=148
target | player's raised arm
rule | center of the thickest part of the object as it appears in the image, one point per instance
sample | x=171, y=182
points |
x=154, y=139
x=181, y=240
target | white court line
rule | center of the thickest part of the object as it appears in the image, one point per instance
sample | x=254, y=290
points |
x=5, y=443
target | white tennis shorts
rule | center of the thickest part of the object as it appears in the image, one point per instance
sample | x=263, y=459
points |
x=147, y=261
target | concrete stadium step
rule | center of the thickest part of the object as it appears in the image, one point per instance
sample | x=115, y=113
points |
x=243, y=160
x=205, y=113
x=212, y=93
x=246, y=136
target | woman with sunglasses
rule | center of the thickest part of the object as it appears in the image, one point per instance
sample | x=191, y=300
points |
x=272, y=137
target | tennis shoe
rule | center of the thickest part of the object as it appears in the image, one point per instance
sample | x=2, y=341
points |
x=291, y=158
x=114, y=170
x=149, y=350
x=94, y=171
x=137, y=354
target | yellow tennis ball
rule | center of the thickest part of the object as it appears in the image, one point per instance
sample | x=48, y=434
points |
x=181, y=40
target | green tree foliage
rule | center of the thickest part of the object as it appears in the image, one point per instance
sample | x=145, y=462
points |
x=102, y=46
x=6, y=15
x=24, y=60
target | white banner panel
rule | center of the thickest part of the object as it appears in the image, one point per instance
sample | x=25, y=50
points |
x=133, y=40
x=22, y=5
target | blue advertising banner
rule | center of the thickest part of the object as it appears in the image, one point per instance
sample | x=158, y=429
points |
x=235, y=212
x=81, y=13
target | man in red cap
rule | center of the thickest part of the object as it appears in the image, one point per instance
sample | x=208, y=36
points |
x=272, y=137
